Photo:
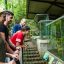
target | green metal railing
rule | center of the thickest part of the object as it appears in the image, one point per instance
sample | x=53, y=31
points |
x=39, y=17
x=55, y=32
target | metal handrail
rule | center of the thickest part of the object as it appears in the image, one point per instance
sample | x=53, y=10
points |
x=21, y=56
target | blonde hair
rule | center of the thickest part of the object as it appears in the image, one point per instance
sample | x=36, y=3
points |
x=23, y=21
x=1, y=9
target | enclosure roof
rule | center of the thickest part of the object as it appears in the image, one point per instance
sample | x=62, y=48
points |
x=54, y=8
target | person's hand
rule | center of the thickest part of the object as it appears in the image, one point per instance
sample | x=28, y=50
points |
x=18, y=48
x=15, y=56
x=26, y=47
x=17, y=52
x=11, y=62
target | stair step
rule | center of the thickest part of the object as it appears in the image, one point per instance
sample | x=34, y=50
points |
x=35, y=62
x=31, y=55
x=32, y=59
x=30, y=50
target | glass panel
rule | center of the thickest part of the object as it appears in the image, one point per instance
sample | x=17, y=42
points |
x=43, y=28
x=39, y=17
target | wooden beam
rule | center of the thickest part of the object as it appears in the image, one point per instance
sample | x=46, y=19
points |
x=58, y=4
x=49, y=7
x=47, y=1
x=27, y=9
x=51, y=15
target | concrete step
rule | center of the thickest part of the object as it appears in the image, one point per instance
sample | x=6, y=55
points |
x=31, y=52
x=31, y=55
x=32, y=59
x=29, y=49
x=32, y=48
x=35, y=62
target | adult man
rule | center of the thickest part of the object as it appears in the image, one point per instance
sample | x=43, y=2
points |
x=17, y=27
x=4, y=29
x=2, y=45
x=3, y=41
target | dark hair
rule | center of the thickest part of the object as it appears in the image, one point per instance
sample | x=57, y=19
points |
x=23, y=28
x=8, y=13
x=2, y=13
x=27, y=28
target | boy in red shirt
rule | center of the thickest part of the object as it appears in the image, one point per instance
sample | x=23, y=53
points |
x=18, y=37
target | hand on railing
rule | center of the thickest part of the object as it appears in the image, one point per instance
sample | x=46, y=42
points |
x=16, y=56
x=11, y=62
x=18, y=48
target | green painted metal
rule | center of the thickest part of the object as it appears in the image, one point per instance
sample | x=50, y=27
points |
x=41, y=20
x=56, y=37
x=39, y=17
x=43, y=27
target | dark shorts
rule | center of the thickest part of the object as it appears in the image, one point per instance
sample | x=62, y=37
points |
x=2, y=51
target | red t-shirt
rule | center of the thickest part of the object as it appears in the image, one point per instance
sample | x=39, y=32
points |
x=17, y=37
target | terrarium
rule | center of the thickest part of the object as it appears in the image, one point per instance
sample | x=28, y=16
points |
x=42, y=28
x=55, y=32
x=39, y=17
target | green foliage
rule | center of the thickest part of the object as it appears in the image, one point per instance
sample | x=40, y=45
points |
x=33, y=26
x=18, y=7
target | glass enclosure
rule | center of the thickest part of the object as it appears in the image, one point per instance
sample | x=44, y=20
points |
x=43, y=28
x=55, y=32
x=39, y=17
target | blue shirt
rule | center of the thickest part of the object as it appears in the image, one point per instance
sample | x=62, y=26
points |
x=16, y=27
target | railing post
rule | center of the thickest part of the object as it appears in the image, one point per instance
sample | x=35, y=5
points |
x=20, y=56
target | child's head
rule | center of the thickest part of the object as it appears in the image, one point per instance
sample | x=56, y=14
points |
x=25, y=29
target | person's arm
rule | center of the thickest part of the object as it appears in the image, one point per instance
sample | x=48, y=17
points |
x=23, y=46
x=18, y=46
x=11, y=62
x=12, y=45
x=13, y=55
x=7, y=46
x=3, y=63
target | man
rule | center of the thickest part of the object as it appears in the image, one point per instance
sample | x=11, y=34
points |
x=18, y=27
x=4, y=30
x=3, y=41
